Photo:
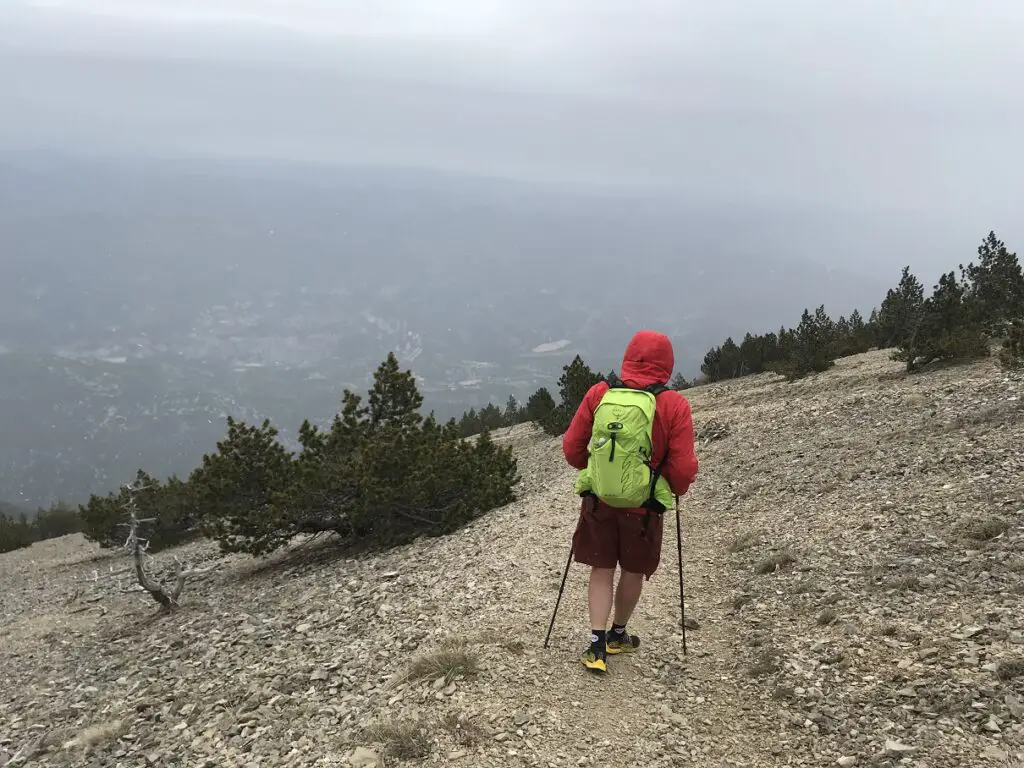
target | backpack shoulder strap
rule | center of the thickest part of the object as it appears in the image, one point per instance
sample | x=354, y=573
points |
x=655, y=389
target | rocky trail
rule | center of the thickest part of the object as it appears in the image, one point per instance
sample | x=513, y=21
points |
x=854, y=561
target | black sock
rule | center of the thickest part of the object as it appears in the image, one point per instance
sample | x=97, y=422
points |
x=597, y=638
x=618, y=629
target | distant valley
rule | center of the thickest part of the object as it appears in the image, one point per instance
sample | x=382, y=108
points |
x=141, y=302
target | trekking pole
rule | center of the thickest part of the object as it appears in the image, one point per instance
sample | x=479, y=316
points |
x=679, y=548
x=559, y=600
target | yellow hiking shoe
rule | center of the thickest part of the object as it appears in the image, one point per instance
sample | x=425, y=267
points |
x=622, y=643
x=595, y=659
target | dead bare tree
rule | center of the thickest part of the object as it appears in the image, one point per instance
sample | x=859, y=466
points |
x=137, y=546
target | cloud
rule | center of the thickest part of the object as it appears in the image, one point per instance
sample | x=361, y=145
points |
x=908, y=105
x=395, y=19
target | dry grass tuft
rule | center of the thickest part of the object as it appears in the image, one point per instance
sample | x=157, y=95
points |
x=711, y=431
x=784, y=693
x=740, y=600
x=743, y=541
x=774, y=562
x=448, y=663
x=401, y=740
x=1010, y=670
x=827, y=616
x=515, y=647
x=464, y=731
x=97, y=735
x=766, y=663
x=986, y=529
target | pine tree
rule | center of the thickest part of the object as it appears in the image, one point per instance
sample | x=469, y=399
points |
x=540, y=406
x=787, y=342
x=732, y=360
x=1011, y=352
x=750, y=355
x=679, y=383
x=711, y=366
x=947, y=330
x=381, y=475
x=241, y=486
x=811, y=348
x=573, y=385
x=394, y=398
x=470, y=423
x=101, y=517
x=575, y=382
x=769, y=350
x=170, y=511
x=826, y=328
x=725, y=362
x=861, y=335
x=15, y=533
x=843, y=339
x=59, y=519
x=901, y=311
x=491, y=418
x=513, y=412
x=994, y=286
x=175, y=514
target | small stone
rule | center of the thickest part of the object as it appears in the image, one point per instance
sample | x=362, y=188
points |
x=521, y=719
x=968, y=632
x=846, y=761
x=364, y=758
x=994, y=753
x=897, y=748
x=1014, y=705
x=319, y=674
x=303, y=628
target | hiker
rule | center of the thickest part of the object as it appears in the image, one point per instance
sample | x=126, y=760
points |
x=623, y=492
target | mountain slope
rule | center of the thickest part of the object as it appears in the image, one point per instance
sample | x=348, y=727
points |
x=895, y=632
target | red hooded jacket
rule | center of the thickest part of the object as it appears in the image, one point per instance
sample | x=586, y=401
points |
x=649, y=359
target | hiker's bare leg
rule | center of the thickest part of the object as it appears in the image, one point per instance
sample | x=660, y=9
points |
x=599, y=595
x=627, y=595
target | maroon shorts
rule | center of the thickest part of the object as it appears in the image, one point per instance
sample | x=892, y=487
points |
x=606, y=536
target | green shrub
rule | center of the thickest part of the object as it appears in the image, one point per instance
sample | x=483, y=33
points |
x=380, y=476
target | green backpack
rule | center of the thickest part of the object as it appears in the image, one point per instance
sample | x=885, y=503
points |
x=619, y=470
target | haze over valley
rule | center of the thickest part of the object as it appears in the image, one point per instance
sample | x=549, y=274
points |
x=213, y=209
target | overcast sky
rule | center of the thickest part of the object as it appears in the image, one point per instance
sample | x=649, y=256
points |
x=914, y=105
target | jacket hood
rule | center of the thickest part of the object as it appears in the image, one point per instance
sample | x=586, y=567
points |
x=649, y=359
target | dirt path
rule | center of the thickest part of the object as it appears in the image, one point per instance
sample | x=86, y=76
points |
x=655, y=708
